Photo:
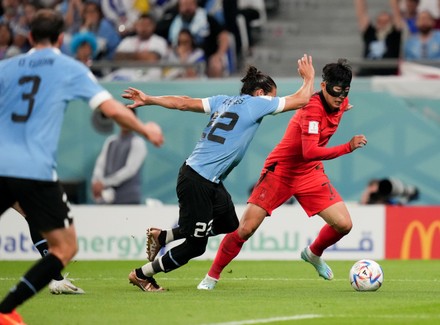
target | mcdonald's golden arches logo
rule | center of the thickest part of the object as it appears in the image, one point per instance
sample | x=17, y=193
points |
x=426, y=235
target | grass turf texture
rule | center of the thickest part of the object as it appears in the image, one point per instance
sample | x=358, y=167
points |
x=250, y=292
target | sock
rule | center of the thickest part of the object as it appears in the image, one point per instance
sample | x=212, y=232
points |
x=169, y=235
x=33, y=281
x=326, y=237
x=41, y=245
x=149, y=269
x=228, y=250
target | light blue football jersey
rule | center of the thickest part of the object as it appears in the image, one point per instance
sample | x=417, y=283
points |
x=231, y=128
x=35, y=89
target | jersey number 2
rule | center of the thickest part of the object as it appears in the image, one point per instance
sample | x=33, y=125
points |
x=223, y=126
x=28, y=96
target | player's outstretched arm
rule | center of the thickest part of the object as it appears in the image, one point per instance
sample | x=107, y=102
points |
x=302, y=96
x=182, y=103
x=126, y=118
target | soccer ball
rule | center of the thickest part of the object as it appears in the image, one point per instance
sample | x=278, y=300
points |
x=366, y=275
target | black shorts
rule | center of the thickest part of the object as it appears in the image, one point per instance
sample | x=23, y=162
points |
x=205, y=208
x=44, y=203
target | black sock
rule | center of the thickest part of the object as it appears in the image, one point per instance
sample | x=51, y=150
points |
x=139, y=274
x=33, y=281
x=177, y=234
x=162, y=237
x=41, y=245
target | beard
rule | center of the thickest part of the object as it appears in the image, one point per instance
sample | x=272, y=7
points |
x=425, y=30
x=187, y=17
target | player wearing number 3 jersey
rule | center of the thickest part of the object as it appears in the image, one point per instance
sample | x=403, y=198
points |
x=206, y=208
x=35, y=89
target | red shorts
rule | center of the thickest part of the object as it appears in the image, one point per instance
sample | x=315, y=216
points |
x=313, y=191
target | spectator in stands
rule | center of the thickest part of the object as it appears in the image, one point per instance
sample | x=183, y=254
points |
x=93, y=20
x=381, y=39
x=250, y=10
x=11, y=12
x=22, y=28
x=124, y=13
x=408, y=14
x=144, y=46
x=11, y=15
x=425, y=44
x=208, y=34
x=84, y=47
x=185, y=52
x=7, y=49
x=117, y=173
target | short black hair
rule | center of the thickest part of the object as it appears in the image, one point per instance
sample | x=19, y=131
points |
x=339, y=72
x=47, y=25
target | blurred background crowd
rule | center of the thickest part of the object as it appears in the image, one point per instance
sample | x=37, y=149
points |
x=142, y=40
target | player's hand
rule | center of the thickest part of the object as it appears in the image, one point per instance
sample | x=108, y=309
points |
x=305, y=67
x=97, y=188
x=154, y=133
x=137, y=96
x=358, y=141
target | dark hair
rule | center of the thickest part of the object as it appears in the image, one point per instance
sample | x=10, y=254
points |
x=339, y=72
x=8, y=28
x=92, y=3
x=47, y=25
x=148, y=16
x=188, y=32
x=254, y=80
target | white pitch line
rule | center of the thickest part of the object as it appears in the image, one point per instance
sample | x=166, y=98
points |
x=267, y=320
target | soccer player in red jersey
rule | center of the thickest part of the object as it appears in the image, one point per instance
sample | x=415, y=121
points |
x=294, y=168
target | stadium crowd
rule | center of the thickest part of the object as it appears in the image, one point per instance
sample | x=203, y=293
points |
x=139, y=30
x=169, y=39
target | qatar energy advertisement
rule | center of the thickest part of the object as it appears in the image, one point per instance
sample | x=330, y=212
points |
x=118, y=233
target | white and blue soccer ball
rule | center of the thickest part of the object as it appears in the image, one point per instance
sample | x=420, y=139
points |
x=366, y=275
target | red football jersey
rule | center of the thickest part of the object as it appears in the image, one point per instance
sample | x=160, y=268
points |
x=303, y=145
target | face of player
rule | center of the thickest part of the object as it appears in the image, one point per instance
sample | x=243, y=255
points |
x=334, y=94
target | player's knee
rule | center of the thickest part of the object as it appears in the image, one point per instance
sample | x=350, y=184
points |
x=345, y=226
x=245, y=231
x=196, y=247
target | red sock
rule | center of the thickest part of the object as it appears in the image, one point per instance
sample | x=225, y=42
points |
x=229, y=248
x=327, y=237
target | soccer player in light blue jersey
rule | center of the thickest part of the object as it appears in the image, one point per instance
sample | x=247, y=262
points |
x=206, y=208
x=35, y=89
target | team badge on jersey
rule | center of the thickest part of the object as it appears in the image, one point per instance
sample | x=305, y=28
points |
x=313, y=127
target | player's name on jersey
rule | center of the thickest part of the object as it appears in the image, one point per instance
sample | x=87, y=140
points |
x=36, y=63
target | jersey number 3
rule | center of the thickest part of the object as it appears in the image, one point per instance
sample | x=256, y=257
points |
x=30, y=97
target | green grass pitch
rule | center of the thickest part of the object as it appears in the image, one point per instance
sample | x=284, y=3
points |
x=250, y=292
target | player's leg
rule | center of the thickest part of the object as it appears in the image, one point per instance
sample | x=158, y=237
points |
x=338, y=224
x=318, y=196
x=268, y=194
x=158, y=238
x=187, y=181
x=59, y=284
x=46, y=208
x=7, y=315
x=196, y=197
x=231, y=244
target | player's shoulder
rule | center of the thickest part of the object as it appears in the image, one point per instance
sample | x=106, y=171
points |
x=314, y=103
